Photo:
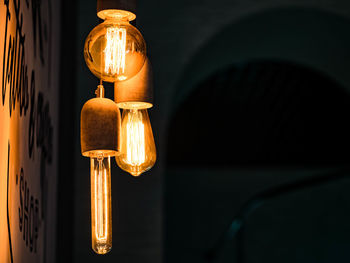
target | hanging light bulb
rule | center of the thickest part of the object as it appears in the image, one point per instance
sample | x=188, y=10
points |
x=101, y=210
x=115, y=50
x=100, y=126
x=137, y=147
x=137, y=151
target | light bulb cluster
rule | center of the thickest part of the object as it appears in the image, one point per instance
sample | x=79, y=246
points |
x=115, y=51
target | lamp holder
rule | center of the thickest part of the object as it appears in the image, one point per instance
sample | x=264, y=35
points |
x=100, y=126
x=121, y=5
x=136, y=92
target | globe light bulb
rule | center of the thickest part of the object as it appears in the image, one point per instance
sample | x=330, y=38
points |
x=101, y=211
x=137, y=151
x=115, y=50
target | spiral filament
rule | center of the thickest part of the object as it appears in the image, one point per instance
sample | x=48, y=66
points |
x=101, y=205
x=135, y=139
x=115, y=50
x=138, y=151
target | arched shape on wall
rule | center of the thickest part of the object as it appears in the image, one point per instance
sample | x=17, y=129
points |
x=310, y=37
x=265, y=113
x=288, y=43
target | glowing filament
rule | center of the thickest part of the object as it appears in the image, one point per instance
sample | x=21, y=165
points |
x=101, y=202
x=101, y=222
x=135, y=136
x=137, y=150
x=115, y=50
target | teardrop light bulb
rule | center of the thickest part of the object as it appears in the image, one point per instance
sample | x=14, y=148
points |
x=101, y=210
x=137, y=151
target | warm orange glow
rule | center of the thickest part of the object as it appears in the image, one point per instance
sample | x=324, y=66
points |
x=115, y=51
x=135, y=141
x=138, y=151
x=101, y=217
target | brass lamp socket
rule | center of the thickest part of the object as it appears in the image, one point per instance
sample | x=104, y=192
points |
x=100, y=128
x=136, y=92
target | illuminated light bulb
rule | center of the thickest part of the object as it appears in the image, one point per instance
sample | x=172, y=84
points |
x=101, y=210
x=99, y=137
x=137, y=151
x=115, y=50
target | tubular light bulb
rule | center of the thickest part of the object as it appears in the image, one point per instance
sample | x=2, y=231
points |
x=101, y=210
x=138, y=151
x=115, y=50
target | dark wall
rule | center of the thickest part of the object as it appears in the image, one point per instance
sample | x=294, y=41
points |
x=306, y=225
x=68, y=130
x=250, y=129
x=278, y=114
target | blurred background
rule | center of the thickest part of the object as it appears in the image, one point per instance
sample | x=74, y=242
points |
x=251, y=111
